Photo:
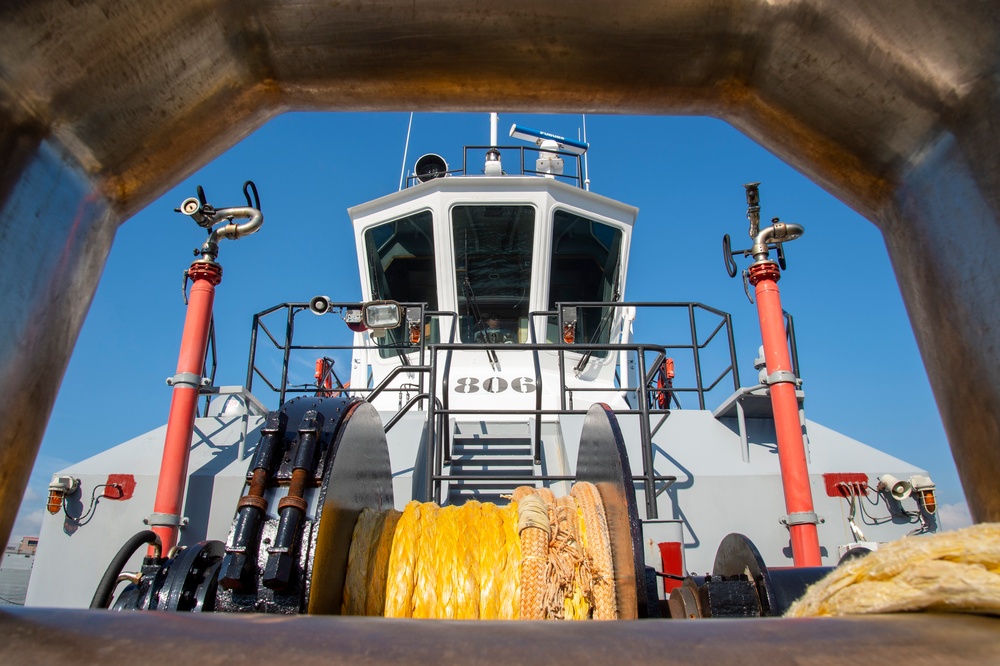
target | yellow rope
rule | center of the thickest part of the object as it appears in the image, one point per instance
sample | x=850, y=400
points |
x=534, y=535
x=425, y=578
x=510, y=573
x=366, y=532
x=402, y=560
x=538, y=557
x=378, y=564
x=600, y=566
x=490, y=577
x=955, y=571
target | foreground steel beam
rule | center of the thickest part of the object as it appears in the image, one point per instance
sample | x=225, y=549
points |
x=90, y=636
x=890, y=106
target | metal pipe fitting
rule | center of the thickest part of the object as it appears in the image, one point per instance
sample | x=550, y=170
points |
x=235, y=231
x=778, y=232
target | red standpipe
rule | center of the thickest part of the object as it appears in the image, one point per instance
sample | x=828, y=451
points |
x=166, y=517
x=764, y=277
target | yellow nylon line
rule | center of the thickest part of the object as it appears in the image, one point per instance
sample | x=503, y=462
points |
x=466, y=562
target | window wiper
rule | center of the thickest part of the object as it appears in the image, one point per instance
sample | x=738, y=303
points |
x=470, y=297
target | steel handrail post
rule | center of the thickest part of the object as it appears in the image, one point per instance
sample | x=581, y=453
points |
x=732, y=352
x=289, y=332
x=649, y=483
x=697, y=356
x=429, y=465
x=251, y=361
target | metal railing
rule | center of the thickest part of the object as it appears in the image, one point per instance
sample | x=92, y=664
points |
x=512, y=168
x=441, y=442
x=285, y=343
x=434, y=366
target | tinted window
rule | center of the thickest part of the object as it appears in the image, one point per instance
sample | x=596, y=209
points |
x=400, y=257
x=586, y=259
x=493, y=246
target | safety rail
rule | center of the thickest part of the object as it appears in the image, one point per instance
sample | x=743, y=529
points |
x=209, y=368
x=286, y=345
x=441, y=451
x=696, y=346
x=792, y=346
x=518, y=168
x=434, y=366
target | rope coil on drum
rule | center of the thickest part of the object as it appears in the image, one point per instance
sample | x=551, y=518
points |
x=539, y=557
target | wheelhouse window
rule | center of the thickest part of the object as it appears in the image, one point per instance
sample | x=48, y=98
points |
x=400, y=257
x=493, y=248
x=586, y=267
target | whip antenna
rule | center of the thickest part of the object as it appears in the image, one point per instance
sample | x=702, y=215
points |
x=406, y=148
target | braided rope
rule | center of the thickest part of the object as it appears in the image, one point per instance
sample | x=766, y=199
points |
x=467, y=561
x=955, y=571
x=425, y=597
x=538, y=557
x=492, y=548
x=402, y=562
x=510, y=588
x=533, y=527
x=366, y=530
x=565, y=554
x=378, y=564
x=598, y=551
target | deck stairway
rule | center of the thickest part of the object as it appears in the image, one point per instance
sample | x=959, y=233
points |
x=481, y=448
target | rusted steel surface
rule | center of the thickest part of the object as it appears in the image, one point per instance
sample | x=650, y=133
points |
x=891, y=107
x=70, y=636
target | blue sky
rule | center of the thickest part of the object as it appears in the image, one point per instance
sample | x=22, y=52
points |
x=859, y=361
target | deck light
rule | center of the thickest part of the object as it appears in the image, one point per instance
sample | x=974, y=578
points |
x=924, y=488
x=59, y=488
x=382, y=314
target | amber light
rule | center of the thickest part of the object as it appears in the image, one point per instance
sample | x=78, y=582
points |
x=414, y=333
x=569, y=333
x=928, y=499
x=55, y=501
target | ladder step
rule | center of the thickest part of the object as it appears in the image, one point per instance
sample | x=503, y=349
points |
x=483, y=492
x=492, y=441
x=516, y=473
x=483, y=461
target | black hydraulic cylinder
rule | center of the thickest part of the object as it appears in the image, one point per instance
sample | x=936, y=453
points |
x=271, y=437
x=238, y=564
x=292, y=507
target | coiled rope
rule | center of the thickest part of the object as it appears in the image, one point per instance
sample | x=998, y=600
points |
x=952, y=571
x=539, y=557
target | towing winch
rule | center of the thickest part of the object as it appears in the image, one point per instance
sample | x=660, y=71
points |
x=321, y=462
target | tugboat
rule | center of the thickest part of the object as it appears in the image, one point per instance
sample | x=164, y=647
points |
x=493, y=350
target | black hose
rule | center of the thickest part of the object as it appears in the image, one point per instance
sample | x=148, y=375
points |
x=102, y=597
